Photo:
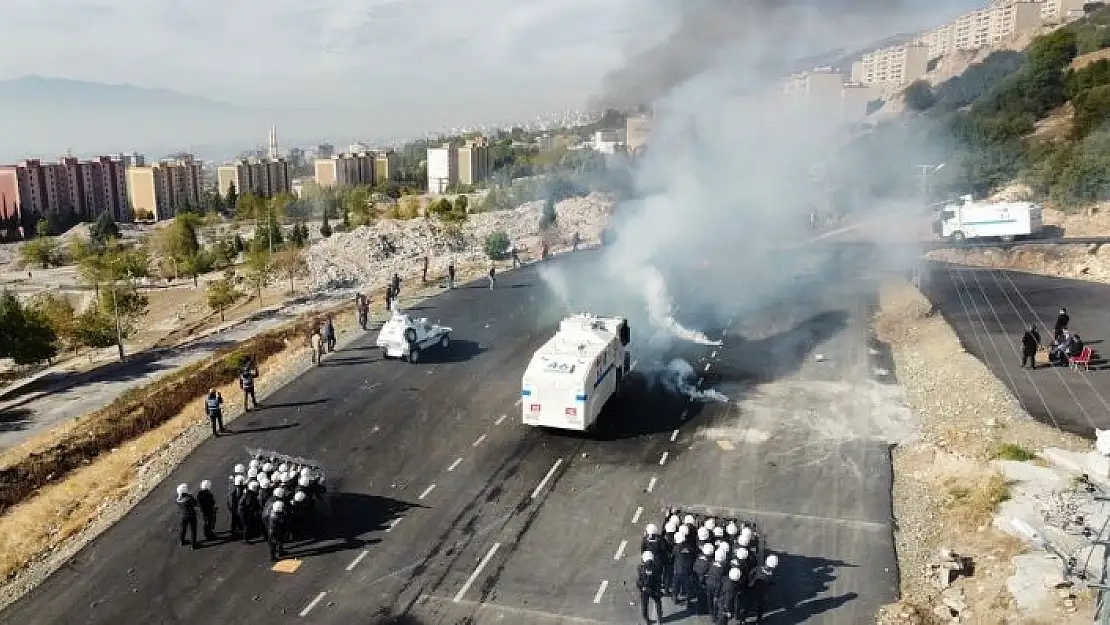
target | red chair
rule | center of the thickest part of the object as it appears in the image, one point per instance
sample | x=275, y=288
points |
x=1083, y=359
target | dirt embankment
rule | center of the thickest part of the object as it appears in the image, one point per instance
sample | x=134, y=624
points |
x=947, y=486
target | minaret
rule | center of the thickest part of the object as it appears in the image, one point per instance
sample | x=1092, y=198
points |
x=274, y=154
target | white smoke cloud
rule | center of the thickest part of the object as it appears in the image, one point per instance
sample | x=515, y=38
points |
x=678, y=378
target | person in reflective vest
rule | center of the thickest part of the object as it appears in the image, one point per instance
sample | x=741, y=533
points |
x=213, y=407
x=246, y=382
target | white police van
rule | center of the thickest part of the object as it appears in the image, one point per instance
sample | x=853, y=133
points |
x=966, y=220
x=572, y=376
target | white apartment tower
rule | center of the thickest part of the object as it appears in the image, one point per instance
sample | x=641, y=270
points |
x=273, y=153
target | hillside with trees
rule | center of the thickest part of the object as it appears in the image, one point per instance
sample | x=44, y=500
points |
x=1038, y=117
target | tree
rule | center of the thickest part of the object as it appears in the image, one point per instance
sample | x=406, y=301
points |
x=25, y=336
x=249, y=206
x=222, y=295
x=178, y=241
x=497, y=244
x=231, y=198
x=41, y=250
x=92, y=328
x=60, y=316
x=259, y=268
x=290, y=263
x=325, y=228
x=197, y=263
x=919, y=96
x=298, y=234
x=240, y=247
x=223, y=252
x=103, y=228
x=461, y=203
x=268, y=232
x=549, y=216
x=42, y=227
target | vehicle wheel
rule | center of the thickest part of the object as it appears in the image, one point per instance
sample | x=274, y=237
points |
x=958, y=237
x=445, y=342
x=410, y=335
x=385, y=354
x=414, y=356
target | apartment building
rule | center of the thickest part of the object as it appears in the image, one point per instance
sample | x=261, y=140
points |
x=346, y=170
x=818, y=83
x=443, y=171
x=69, y=187
x=261, y=177
x=1060, y=11
x=893, y=66
x=165, y=187
x=636, y=131
x=386, y=166
x=9, y=193
x=999, y=22
x=474, y=161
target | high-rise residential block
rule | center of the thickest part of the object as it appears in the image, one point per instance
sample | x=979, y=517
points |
x=164, y=188
x=443, y=170
x=68, y=188
x=386, y=166
x=346, y=170
x=261, y=177
x=474, y=161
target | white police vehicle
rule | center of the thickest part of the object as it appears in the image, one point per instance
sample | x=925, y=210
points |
x=404, y=337
x=572, y=376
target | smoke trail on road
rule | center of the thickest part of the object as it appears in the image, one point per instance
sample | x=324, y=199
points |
x=661, y=311
x=556, y=280
x=679, y=378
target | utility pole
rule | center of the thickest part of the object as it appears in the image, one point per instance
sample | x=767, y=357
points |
x=119, y=327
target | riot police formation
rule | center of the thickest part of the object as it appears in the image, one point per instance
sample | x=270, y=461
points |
x=711, y=565
x=273, y=497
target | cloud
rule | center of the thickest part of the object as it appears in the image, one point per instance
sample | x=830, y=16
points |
x=331, y=52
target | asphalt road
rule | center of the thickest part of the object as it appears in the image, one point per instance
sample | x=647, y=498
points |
x=445, y=509
x=989, y=310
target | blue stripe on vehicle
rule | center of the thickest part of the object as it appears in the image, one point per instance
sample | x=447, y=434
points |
x=525, y=393
x=990, y=222
x=603, y=375
x=579, y=398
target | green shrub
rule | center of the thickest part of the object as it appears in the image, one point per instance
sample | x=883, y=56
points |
x=497, y=245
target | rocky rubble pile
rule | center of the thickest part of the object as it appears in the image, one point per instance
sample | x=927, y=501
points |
x=369, y=255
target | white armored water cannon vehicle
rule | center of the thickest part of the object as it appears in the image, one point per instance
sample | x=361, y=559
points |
x=572, y=376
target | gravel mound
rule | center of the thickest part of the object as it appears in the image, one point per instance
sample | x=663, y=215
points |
x=369, y=255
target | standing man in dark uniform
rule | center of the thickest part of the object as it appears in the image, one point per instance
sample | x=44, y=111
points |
x=684, y=555
x=1029, y=344
x=237, y=492
x=424, y=272
x=451, y=275
x=207, y=502
x=650, y=584
x=1062, y=321
x=187, y=505
x=213, y=406
x=759, y=584
x=246, y=382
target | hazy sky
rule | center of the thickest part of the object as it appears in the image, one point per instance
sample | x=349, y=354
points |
x=406, y=65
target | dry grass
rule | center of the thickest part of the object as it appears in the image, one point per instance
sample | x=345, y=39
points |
x=972, y=503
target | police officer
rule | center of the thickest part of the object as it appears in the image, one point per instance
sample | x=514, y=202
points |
x=760, y=581
x=207, y=502
x=276, y=527
x=684, y=556
x=250, y=509
x=713, y=580
x=213, y=407
x=653, y=542
x=701, y=568
x=669, y=531
x=726, y=598
x=650, y=584
x=451, y=275
x=187, y=504
x=246, y=382
x=329, y=335
x=1029, y=344
x=234, y=495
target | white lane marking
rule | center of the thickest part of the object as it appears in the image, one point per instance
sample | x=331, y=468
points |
x=601, y=591
x=700, y=380
x=393, y=523
x=714, y=354
x=501, y=420
x=312, y=604
x=374, y=429
x=427, y=491
x=517, y=402
x=479, y=441
x=636, y=517
x=663, y=460
x=477, y=572
x=674, y=436
x=454, y=465
x=633, y=366
x=620, y=550
x=651, y=484
x=547, y=477
x=707, y=366
x=354, y=563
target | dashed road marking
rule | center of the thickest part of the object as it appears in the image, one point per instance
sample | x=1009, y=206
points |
x=546, y=478
x=427, y=491
x=663, y=459
x=674, y=435
x=620, y=550
x=517, y=402
x=707, y=366
x=454, y=465
x=714, y=354
x=601, y=591
x=354, y=563
x=479, y=441
x=312, y=604
x=636, y=517
x=393, y=524
x=375, y=429
x=501, y=419
x=477, y=572
x=634, y=363
x=651, y=484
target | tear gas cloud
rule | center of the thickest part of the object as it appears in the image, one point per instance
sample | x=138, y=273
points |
x=729, y=171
